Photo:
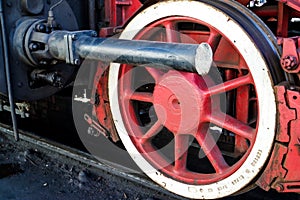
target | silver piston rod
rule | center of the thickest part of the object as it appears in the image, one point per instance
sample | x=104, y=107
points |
x=72, y=47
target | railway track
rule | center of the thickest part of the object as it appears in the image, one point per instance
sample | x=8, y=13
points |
x=88, y=160
x=121, y=172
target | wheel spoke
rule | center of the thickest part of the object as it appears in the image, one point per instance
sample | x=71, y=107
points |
x=155, y=73
x=214, y=39
x=211, y=150
x=172, y=34
x=242, y=103
x=230, y=65
x=139, y=96
x=233, y=125
x=230, y=85
x=181, y=152
x=154, y=130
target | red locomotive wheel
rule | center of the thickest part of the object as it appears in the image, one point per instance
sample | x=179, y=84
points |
x=199, y=136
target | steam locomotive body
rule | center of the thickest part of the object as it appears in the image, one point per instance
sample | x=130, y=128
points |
x=204, y=95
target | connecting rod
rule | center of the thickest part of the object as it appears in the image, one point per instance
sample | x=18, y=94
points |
x=74, y=46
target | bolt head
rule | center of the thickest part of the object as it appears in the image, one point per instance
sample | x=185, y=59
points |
x=33, y=47
x=94, y=34
x=41, y=28
x=279, y=187
x=74, y=37
x=289, y=62
x=77, y=62
x=43, y=62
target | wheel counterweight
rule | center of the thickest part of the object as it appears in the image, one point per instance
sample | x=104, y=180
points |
x=198, y=136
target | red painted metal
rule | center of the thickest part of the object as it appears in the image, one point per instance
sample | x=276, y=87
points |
x=242, y=101
x=178, y=94
x=272, y=11
x=111, y=13
x=283, y=17
x=282, y=173
x=169, y=102
x=290, y=46
x=101, y=102
x=295, y=4
x=291, y=181
x=290, y=54
x=117, y=13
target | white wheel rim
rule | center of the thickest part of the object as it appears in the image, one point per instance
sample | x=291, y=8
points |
x=264, y=87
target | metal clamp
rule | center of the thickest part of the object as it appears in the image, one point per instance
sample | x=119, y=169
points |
x=71, y=56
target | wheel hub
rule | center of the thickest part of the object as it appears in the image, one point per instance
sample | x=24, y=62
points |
x=180, y=102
